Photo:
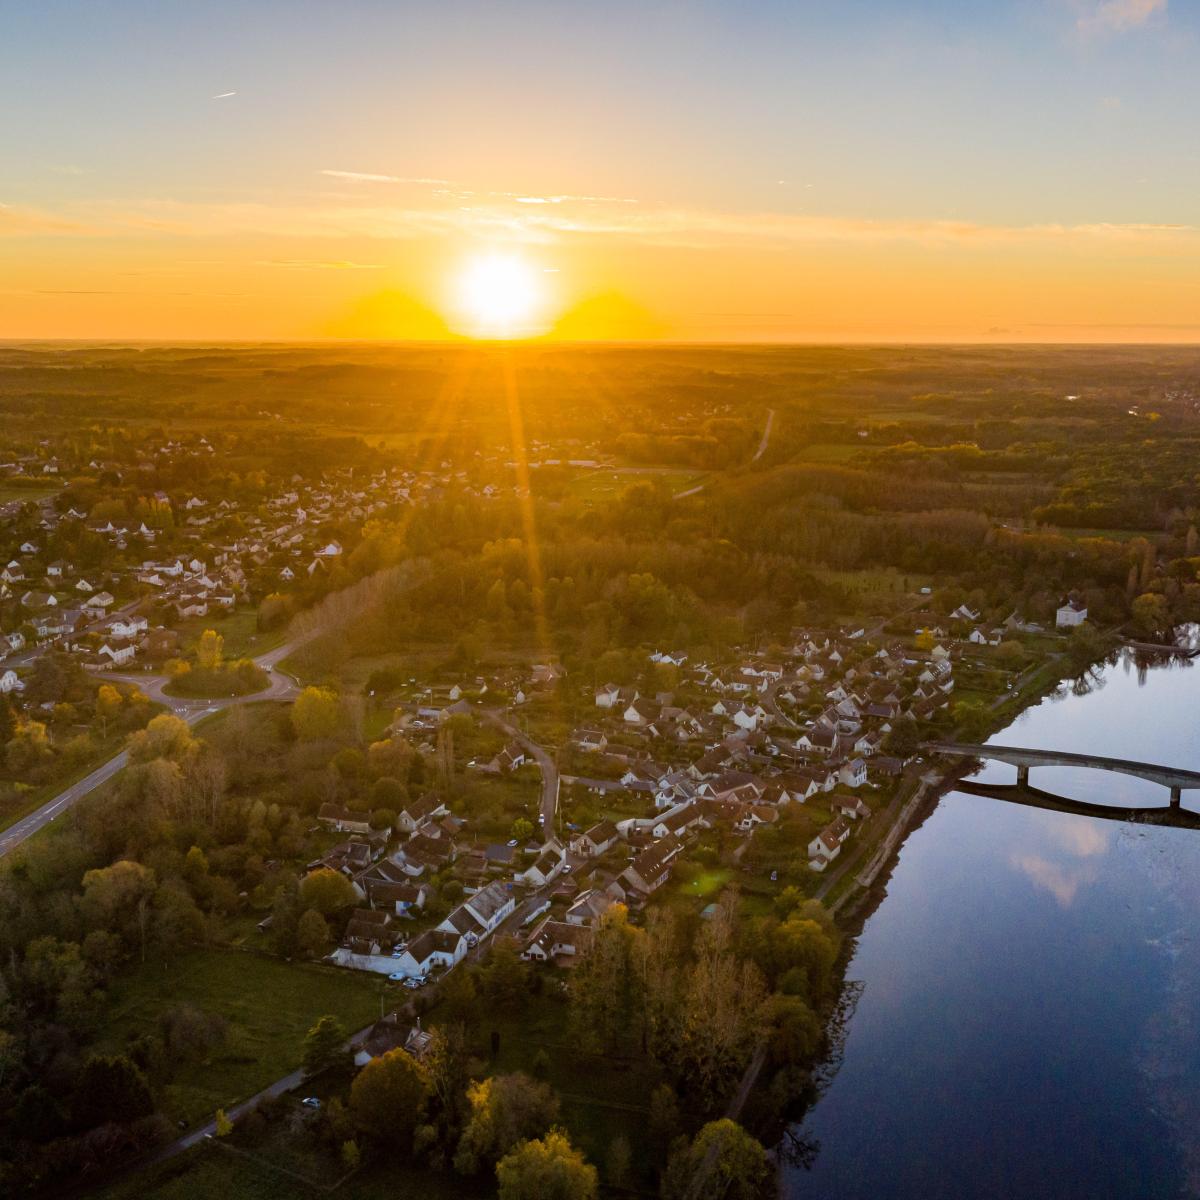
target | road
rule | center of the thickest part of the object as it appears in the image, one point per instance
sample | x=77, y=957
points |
x=550, y=780
x=279, y=687
x=25, y=657
x=766, y=437
x=764, y=442
x=289, y=1083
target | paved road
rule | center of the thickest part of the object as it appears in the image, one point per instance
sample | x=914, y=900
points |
x=550, y=781
x=280, y=687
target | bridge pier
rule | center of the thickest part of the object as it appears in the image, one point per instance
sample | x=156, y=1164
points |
x=1022, y=774
x=1176, y=796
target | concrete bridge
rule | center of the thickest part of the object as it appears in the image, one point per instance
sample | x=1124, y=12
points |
x=1175, y=778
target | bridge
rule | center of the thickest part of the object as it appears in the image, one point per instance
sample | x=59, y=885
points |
x=1175, y=778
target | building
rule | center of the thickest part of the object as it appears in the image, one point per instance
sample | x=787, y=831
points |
x=1071, y=612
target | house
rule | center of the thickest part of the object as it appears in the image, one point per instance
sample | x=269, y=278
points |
x=491, y=905
x=15, y=641
x=827, y=845
x=596, y=841
x=416, y=812
x=400, y=898
x=677, y=821
x=1071, y=612
x=332, y=816
x=850, y=806
x=388, y=1034
x=641, y=712
x=126, y=628
x=588, y=907
x=853, y=773
x=552, y=940
x=429, y=950
x=367, y=931
x=591, y=740
x=98, y=605
x=117, y=655
x=11, y=682
x=548, y=864
x=509, y=759
x=608, y=696
x=652, y=868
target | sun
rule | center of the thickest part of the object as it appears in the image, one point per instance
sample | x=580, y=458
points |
x=500, y=296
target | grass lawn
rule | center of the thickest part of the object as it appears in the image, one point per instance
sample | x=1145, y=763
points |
x=608, y=484
x=239, y=629
x=269, y=1006
x=9, y=492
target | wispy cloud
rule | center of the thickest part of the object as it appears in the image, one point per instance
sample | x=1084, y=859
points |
x=222, y=95
x=368, y=177
x=568, y=219
x=27, y=222
x=1118, y=16
x=316, y=264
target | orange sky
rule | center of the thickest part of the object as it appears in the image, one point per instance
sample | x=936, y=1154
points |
x=708, y=172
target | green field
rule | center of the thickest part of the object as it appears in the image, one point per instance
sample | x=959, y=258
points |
x=239, y=629
x=269, y=1006
x=608, y=484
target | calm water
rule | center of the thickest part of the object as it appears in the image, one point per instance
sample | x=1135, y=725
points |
x=1030, y=1019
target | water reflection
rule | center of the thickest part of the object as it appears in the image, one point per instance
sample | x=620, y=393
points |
x=1028, y=1018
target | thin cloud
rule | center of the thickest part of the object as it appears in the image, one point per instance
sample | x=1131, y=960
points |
x=314, y=264
x=222, y=95
x=27, y=222
x=1119, y=16
x=368, y=177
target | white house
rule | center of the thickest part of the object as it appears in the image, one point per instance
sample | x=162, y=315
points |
x=11, y=682
x=853, y=773
x=827, y=845
x=433, y=948
x=490, y=905
x=1071, y=612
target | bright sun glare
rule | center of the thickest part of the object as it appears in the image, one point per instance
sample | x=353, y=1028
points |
x=499, y=296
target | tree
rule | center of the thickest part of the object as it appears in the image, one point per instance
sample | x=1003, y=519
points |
x=549, y=1168
x=111, y=1089
x=316, y=714
x=224, y=1126
x=388, y=1097
x=327, y=890
x=1151, y=615
x=312, y=935
x=522, y=829
x=108, y=704
x=620, y=1158
x=351, y=1155
x=903, y=739
x=325, y=1046
x=505, y=1110
x=166, y=736
x=210, y=650
x=723, y=1163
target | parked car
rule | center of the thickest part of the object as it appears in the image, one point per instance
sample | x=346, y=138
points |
x=414, y=983
x=311, y=1102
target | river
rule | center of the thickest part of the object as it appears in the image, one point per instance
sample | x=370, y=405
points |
x=1029, y=1022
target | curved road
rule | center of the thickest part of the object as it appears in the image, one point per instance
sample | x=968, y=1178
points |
x=543, y=760
x=279, y=687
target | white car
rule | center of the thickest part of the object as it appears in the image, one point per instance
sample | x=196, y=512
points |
x=311, y=1102
x=414, y=983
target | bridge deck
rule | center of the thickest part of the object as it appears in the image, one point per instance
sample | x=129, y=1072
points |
x=1021, y=756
